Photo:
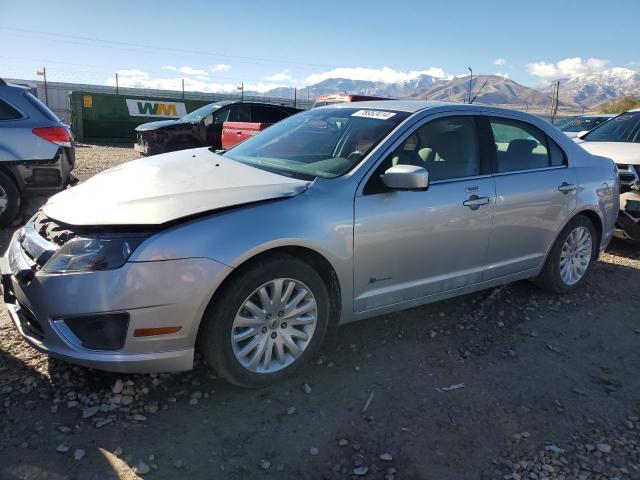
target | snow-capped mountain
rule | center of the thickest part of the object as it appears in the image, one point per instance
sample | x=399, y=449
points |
x=592, y=89
x=587, y=90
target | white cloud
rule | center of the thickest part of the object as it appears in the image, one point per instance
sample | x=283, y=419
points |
x=384, y=74
x=502, y=74
x=280, y=76
x=193, y=71
x=499, y=61
x=569, y=67
x=201, y=83
x=186, y=70
x=221, y=67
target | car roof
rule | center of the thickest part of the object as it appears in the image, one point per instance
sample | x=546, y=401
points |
x=599, y=115
x=413, y=106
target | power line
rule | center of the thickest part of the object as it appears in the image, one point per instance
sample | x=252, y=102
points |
x=114, y=44
x=100, y=69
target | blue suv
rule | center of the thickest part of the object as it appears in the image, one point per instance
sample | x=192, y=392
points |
x=37, y=152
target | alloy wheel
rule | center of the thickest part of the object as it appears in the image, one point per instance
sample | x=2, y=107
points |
x=576, y=255
x=274, y=325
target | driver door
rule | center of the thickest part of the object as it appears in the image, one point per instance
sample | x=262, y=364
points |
x=412, y=244
x=213, y=126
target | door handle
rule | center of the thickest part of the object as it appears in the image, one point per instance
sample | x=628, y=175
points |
x=475, y=201
x=567, y=187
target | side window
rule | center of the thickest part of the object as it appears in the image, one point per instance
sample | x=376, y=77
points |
x=520, y=146
x=7, y=112
x=221, y=117
x=556, y=154
x=262, y=114
x=239, y=113
x=447, y=147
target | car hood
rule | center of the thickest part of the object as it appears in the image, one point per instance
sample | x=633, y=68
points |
x=162, y=188
x=619, y=152
x=145, y=127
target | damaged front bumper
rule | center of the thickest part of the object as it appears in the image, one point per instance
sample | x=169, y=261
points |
x=628, y=223
x=93, y=318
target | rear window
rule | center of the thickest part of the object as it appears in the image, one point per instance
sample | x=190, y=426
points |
x=7, y=112
x=41, y=107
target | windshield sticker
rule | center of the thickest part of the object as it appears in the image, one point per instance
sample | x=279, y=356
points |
x=377, y=114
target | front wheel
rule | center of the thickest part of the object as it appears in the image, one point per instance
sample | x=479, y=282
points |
x=571, y=257
x=266, y=322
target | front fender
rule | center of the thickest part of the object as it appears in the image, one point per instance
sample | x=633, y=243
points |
x=313, y=220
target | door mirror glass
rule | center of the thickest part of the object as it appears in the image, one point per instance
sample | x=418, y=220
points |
x=406, y=177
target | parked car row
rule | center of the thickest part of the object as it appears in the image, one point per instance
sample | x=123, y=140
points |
x=336, y=214
x=219, y=125
x=251, y=248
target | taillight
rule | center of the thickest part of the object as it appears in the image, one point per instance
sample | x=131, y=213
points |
x=58, y=135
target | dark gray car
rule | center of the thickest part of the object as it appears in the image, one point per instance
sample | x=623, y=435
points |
x=37, y=152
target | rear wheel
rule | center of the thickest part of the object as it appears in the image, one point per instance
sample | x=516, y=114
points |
x=571, y=257
x=9, y=200
x=266, y=322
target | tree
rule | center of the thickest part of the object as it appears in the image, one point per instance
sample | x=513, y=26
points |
x=620, y=105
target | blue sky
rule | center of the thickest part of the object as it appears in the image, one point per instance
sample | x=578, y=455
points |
x=216, y=45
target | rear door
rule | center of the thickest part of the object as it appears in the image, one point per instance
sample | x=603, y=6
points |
x=535, y=192
x=412, y=244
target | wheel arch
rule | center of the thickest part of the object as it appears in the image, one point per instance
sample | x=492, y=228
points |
x=11, y=173
x=587, y=212
x=310, y=256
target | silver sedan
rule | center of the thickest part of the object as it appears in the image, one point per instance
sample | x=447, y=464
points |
x=333, y=215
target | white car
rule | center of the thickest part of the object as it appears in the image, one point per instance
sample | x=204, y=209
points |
x=574, y=127
x=619, y=140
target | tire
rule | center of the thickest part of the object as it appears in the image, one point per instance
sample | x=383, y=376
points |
x=551, y=277
x=9, y=200
x=222, y=321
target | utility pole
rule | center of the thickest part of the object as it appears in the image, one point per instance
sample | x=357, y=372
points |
x=470, y=80
x=295, y=96
x=554, y=101
x=43, y=73
x=183, y=88
x=117, y=87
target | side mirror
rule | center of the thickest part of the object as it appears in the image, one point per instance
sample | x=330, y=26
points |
x=582, y=133
x=406, y=177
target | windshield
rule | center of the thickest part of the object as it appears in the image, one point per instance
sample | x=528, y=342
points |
x=623, y=128
x=325, y=142
x=200, y=113
x=583, y=123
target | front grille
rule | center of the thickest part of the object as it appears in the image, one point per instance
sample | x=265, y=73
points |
x=29, y=322
x=51, y=230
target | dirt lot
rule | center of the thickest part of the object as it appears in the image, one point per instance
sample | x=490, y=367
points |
x=512, y=383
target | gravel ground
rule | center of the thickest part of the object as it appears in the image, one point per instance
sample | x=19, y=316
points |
x=511, y=383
